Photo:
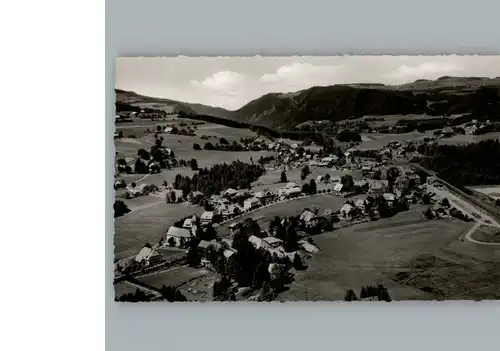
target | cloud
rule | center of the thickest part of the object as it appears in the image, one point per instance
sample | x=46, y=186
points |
x=221, y=81
x=303, y=74
x=426, y=70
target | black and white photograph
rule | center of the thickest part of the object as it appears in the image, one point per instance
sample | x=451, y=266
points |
x=342, y=178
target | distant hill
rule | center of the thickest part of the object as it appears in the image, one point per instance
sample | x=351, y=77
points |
x=477, y=96
x=444, y=96
x=125, y=97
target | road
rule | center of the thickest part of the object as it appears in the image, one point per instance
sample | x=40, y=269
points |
x=490, y=217
x=489, y=209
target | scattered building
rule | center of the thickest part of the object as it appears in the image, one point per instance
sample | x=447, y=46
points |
x=251, y=204
x=179, y=236
x=207, y=217
x=147, y=256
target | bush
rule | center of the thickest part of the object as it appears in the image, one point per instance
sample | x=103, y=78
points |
x=120, y=208
x=283, y=178
x=209, y=146
x=194, y=164
x=196, y=146
x=348, y=136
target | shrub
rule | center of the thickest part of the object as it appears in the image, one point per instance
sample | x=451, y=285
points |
x=196, y=146
x=194, y=164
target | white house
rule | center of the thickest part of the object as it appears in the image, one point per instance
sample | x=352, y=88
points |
x=147, y=256
x=389, y=198
x=296, y=190
x=307, y=215
x=338, y=187
x=187, y=223
x=345, y=210
x=251, y=203
x=207, y=217
x=168, y=130
x=179, y=235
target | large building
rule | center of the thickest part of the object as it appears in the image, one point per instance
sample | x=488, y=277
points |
x=179, y=236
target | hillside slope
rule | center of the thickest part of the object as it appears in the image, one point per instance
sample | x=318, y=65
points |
x=445, y=96
x=125, y=98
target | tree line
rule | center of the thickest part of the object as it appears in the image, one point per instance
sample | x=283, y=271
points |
x=471, y=164
x=219, y=178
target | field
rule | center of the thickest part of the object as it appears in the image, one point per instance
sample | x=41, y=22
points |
x=173, y=276
x=150, y=215
x=375, y=141
x=467, y=139
x=388, y=250
x=137, y=228
x=123, y=288
x=490, y=190
x=487, y=234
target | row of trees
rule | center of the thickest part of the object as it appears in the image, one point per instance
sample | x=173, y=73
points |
x=223, y=145
x=380, y=292
x=220, y=177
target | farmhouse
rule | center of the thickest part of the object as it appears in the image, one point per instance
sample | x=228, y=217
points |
x=147, y=256
x=389, y=197
x=187, y=223
x=263, y=196
x=338, y=187
x=307, y=215
x=294, y=191
x=207, y=217
x=168, y=130
x=346, y=210
x=251, y=203
x=179, y=236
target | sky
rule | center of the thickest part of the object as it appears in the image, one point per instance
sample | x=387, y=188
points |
x=231, y=82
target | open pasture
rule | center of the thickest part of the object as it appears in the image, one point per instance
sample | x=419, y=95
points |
x=375, y=252
x=377, y=141
x=144, y=225
x=173, y=276
x=462, y=139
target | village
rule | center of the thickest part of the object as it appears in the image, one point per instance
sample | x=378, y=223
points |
x=372, y=183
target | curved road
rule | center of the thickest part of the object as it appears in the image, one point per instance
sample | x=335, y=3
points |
x=488, y=209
